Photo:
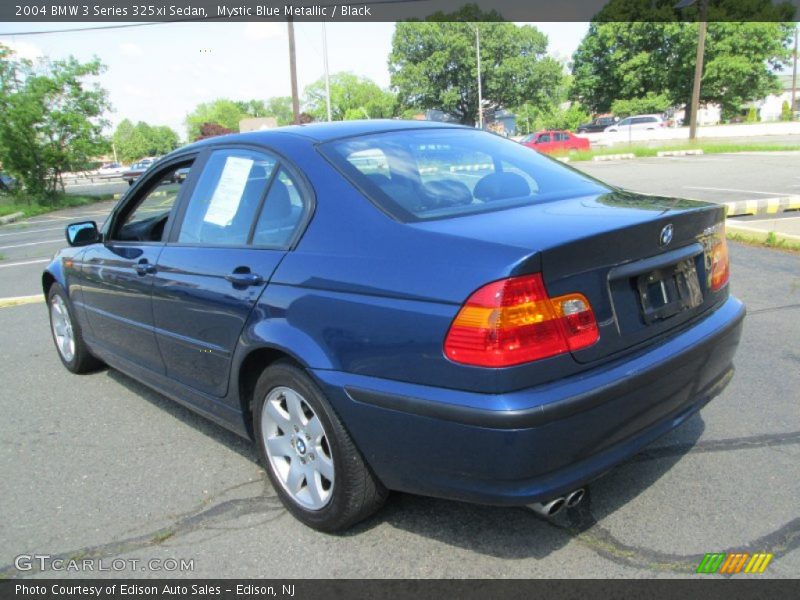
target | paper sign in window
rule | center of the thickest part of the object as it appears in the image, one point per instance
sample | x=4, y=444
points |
x=228, y=193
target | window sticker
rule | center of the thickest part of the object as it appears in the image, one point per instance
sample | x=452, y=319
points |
x=228, y=193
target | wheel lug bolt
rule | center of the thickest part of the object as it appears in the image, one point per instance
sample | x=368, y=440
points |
x=296, y=428
x=303, y=460
x=308, y=437
x=311, y=456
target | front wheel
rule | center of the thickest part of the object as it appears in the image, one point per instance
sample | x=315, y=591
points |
x=312, y=462
x=72, y=350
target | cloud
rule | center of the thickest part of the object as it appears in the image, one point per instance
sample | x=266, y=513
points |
x=24, y=49
x=130, y=49
x=137, y=91
x=258, y=31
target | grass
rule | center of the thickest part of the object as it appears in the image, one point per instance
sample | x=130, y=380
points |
x=764, y=240
x=30, y=207
x=707, y=148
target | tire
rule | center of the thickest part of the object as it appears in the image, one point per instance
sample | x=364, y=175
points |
x=66, y=332
x=300, y=436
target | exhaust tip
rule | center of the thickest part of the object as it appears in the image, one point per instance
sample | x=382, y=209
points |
x=549, y=509
x=555, y=507
x=574, y=498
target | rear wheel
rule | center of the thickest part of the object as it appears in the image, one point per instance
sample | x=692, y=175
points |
x=310, y=458
x=72, y=350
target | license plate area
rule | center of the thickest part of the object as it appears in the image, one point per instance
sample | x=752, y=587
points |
x=668, y=291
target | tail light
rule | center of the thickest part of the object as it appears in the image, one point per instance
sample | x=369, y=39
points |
x=513, y=321
x=719, y=267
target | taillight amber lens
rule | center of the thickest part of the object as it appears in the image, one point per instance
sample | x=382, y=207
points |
x=513, y=321
x=720, y=265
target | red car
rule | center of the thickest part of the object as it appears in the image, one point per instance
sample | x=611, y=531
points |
x=555, y=141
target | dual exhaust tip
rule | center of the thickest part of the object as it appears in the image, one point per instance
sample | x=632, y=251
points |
x=553, y=507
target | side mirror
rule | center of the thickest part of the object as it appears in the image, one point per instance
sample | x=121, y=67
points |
x=83, y=233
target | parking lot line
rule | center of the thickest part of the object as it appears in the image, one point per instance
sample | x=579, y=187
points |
x=25, y=262
x=719, y=189
x=24, y=231
x=31, y=244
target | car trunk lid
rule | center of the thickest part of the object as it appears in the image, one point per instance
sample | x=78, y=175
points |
x=612, y=248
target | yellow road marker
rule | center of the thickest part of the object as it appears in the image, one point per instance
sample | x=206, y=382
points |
x=20, y=300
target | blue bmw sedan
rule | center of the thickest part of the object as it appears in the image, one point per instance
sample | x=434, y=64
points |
x=390, y=305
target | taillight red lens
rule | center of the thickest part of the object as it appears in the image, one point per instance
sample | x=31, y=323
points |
x=513, y=321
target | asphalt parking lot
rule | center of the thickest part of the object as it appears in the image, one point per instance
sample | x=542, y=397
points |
x=98, y=466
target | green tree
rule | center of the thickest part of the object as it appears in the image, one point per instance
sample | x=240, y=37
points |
x=223, y=112
x=133, y=142
x=352, y=97
x=280, y=107
x=619, y=60
x=52, y=119
x=649, y=103
x=252, y=108
x=786, y=111
x=433, y=64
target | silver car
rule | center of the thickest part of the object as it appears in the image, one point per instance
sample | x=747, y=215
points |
x=637, y=122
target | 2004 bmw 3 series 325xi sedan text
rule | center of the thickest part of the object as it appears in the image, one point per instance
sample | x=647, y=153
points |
x=391, y=305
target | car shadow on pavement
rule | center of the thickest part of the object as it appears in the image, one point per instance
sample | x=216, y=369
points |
x=518, y=532
x=501, y=532
x=208, y=428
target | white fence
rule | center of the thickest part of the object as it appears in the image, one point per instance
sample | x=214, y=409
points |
x=682, y=133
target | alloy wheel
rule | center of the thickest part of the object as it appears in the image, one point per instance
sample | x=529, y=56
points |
x=297, y=448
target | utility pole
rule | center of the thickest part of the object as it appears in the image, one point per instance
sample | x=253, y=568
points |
x=480, y=89
x=327, y=74
x=698, y=70
x=794, y=77
x=293, y=73
x=698, y=63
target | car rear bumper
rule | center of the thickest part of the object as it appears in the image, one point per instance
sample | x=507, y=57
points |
x=534, y=444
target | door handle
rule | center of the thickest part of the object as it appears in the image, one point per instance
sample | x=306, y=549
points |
x=244, y=278
x=143, y=267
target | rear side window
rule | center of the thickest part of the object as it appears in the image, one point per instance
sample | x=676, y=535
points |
x=283, y=210
x=226, y=198
x=437, y=173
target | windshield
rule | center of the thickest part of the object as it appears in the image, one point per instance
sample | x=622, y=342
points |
x=437, y=173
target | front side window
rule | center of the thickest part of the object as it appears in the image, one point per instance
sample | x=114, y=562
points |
x=226, y=198
x=145, y=219
x=437, y=173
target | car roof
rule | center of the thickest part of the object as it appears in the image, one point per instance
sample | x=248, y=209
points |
x=324, y=132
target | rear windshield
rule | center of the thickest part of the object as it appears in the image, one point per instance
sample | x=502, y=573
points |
x=436, y=173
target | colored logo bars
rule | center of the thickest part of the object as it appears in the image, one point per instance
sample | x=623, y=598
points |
x=730, y=564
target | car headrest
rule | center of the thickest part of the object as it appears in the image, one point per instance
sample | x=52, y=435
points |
x=500, y=186
x=379, y=179
x=278, y=204
x=446, y=192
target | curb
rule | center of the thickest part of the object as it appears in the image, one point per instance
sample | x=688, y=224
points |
x=762, y=206
x=663, y=153
x=735, y=227
x=613, y=157
x=11, y=218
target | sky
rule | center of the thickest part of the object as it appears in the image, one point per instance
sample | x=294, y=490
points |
x=159, y=73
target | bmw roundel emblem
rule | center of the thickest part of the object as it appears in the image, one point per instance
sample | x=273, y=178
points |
x=666, y=235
